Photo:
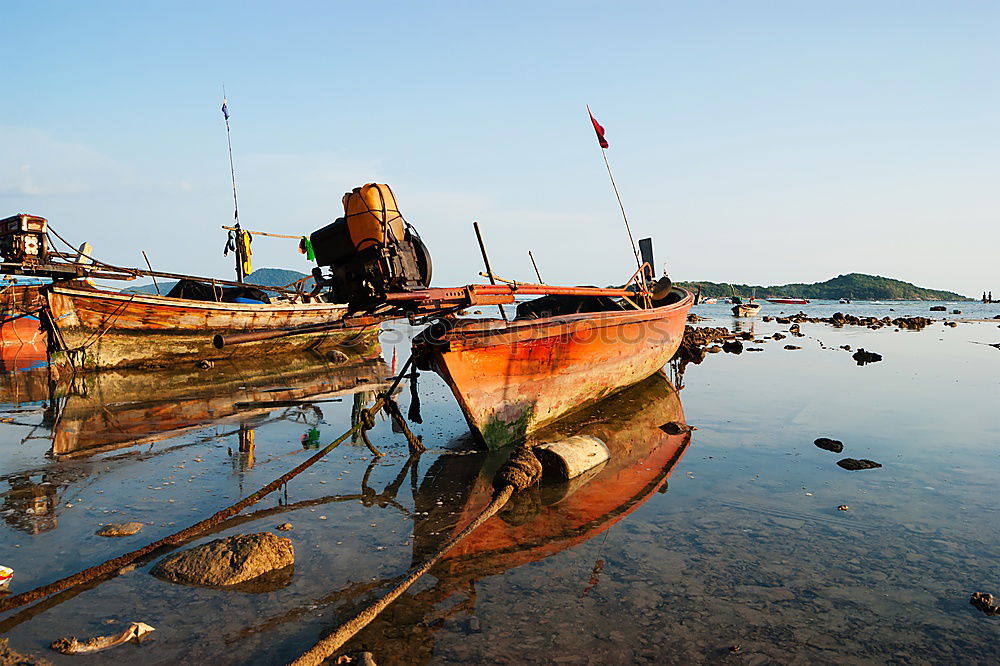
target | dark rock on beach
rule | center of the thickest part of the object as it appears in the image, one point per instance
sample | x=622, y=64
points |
x=792, y=347
x=733, y=347
x=854, y=465
x=828, y=444
x=864, y=357
x=227, y=562
x=692, y=347
x=938, y=308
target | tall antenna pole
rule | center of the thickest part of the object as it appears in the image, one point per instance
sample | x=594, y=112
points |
x=236, y=205
x=638, y=262
x=604, y=146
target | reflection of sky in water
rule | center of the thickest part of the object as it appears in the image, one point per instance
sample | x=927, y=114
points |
x=745, y=547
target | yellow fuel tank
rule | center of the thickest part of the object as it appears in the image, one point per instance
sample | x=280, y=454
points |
x=371, y=212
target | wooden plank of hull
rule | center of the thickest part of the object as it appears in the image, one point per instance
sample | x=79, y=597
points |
x=136, y=330
x=511, y=381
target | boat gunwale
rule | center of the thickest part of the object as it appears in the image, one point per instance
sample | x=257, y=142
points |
x=475, y=336
x=177, y=303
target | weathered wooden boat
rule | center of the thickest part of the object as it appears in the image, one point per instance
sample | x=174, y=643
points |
x=558, y=355
x=367, y=253
x=94, y=328
x=746, y=309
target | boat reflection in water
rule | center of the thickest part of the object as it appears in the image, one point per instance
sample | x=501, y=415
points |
x=538, y=523
x=106, y=411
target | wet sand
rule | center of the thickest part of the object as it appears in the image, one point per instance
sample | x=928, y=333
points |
x=733, y=552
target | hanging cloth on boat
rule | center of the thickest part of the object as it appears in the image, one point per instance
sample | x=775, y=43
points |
x=306, y=248
x=230, y=245
x=244, y=239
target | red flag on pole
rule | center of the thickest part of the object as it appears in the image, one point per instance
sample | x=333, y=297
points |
x=597, y=128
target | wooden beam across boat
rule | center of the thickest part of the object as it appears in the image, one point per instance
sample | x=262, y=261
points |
x=487, y=294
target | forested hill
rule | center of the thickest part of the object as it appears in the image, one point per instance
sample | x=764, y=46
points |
x=852, y=286
x=268, y=277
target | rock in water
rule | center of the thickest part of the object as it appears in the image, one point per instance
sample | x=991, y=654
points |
x=230, y=561
x=733, y=347
x=119, y=529
x=863, y=357
x=828, y=444
x=984, y=602
x=9, y=657
x=854, y=465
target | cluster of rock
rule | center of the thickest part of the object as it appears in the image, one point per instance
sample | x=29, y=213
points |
x=840, y=319
x=696, y=340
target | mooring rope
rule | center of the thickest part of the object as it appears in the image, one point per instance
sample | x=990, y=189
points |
x=521, y=471
x=187, y=533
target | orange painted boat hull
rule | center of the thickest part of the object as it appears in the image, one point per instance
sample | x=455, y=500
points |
x=511, y=380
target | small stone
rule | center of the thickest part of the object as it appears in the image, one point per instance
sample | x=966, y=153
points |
x=205, y=364
x=864, y=357
x=984, y=602
x=119, y=529
x=792, y=347
x=285, y=527
x=827, y=444
x=854, y=465
x=842, y=507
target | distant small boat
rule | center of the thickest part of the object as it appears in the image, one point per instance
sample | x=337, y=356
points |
x=710, y=301
x=746, y=309
x=788, y=301
x=845, y=300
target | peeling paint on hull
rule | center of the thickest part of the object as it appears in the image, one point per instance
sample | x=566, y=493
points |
x=510, y=381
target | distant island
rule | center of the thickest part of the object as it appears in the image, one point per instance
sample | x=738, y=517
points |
x=855, y=286
x=267, y=277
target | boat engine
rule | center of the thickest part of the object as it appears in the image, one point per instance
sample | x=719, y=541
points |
x=370, y=251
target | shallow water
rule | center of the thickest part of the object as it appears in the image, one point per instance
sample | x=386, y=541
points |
x=679, y=554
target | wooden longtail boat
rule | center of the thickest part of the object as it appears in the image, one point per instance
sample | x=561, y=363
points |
x=93, y=328
x=746, y=309
x=511, y=379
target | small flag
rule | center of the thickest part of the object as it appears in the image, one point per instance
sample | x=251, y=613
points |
x=225, y=111
x=597, y=128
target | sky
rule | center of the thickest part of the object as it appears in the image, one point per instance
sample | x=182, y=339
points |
x=756, y=142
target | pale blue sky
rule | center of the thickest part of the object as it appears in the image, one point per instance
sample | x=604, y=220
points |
x=758, y=142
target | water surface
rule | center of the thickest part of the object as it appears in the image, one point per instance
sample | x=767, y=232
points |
x=728, y=547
